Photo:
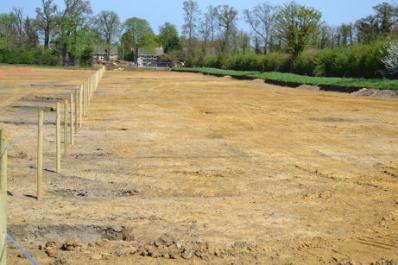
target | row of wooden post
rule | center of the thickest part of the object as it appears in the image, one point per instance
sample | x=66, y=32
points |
x=75, y=108
x=76, y=105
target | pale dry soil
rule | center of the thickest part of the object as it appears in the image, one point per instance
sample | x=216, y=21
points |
x=172, y=168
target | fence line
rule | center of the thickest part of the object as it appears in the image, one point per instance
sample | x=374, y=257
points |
x=3, y=195
x=75, y=108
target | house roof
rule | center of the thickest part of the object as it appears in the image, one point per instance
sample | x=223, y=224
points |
x=155, y=52
x=101, y=51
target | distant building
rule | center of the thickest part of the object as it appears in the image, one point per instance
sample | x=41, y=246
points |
x=100, y=55
x=148, y=58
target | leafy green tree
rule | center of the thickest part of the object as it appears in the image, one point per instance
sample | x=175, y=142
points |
x=108, y=25
x=46, y=17
x=8, y=31
x=295, y=24
x=386, y=16
x=138, y=35
x=168, y=37
x=72, y=30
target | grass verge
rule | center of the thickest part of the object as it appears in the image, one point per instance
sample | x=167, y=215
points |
x=349, y=84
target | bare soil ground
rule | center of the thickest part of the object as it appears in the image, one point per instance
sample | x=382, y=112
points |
x=173, y=168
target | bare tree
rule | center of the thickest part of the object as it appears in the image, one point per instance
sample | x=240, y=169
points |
x=191, y=14
x=46, y=19
x=19, y=23
x=108, y=27
x=227, y=17
x=207, y=28
x=262, y=21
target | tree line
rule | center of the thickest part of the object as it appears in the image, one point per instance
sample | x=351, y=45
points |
x=289, y=37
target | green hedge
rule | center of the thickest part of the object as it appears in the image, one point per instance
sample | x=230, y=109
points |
x=363, y=61
x=38, y=56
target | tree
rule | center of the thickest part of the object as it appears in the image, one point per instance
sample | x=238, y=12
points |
x=391, y=59
x=345, y=35
x=168, y=37
x=46, y=19
x=295, y=24
x=367, y=29
x=242, y=42
x=73, y=34
x=226, y=16
x=382, y=23
x=191, y=14
x=31, y=36
x=107, y=24
x=207, y=28
x=386, y=16
x=139, y=34
x=73, y=31
x=8, y=31
x=19, y=25
x=262, y=21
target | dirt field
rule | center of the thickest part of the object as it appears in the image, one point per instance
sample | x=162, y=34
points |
x=174, y=168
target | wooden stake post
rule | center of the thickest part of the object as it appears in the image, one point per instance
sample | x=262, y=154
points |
x=81, y=106
x=66, y=125
x=40, y=191
x=72, y=120
x=58, y=137
x=76, y=110
x=3, y=196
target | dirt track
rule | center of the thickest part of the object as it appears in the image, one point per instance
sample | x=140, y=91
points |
x=174, y=168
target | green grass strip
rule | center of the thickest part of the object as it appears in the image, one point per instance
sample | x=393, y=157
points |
x=383, y=84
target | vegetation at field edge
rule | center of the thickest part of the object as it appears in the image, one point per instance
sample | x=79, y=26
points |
x=383, y=84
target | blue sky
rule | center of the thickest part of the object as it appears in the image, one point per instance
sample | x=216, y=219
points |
x=159, y=11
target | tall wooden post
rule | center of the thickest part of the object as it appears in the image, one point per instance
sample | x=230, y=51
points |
x=3, y=160
x=40, y=191
x=85, y=90
x=58, y=138
x=72, y=120
x=76, y=110
x=3, y=196
x=81, y=106
x=66, y=121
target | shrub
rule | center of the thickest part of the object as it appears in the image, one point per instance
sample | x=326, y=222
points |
x=38, y=56
x=364, y=61
x=246, y=62
x=305, y=62
x=280, y=62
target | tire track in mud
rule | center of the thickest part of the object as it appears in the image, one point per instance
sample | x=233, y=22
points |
x=317, y=173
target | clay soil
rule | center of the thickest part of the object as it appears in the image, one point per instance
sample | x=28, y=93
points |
x=172, y=168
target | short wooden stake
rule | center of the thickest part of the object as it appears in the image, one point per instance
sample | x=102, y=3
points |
x=3, y=195
x=40, y=191
x=66, y=125
x=58, y=138
x=72, y=120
